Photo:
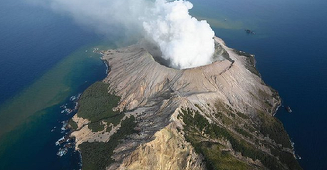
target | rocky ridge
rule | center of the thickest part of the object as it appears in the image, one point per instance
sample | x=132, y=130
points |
x=185, y=118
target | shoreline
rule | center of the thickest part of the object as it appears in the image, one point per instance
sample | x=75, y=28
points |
x=235, y=63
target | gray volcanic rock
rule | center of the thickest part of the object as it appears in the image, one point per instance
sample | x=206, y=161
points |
x=216, y=116
x=138, y=79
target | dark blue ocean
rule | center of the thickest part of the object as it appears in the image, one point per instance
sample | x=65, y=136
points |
x=44, y=54
x=43, y=62
x=32, y=40
x=290, y=46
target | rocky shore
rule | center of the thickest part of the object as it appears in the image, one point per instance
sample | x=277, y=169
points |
x=214, y=116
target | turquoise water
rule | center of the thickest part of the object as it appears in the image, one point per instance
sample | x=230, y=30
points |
x=43, y=63
x=290, y=48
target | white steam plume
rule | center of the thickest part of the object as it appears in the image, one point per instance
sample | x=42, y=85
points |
x=182, y=39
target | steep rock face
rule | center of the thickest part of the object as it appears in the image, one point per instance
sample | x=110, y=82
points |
x=168, y=150
x=217, y=116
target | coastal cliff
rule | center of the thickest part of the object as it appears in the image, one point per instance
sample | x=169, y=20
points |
x=145, y=115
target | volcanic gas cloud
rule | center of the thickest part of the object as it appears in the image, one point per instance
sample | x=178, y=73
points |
x=183, y=40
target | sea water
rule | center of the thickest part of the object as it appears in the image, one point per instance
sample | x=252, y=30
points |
x=290, y=46
x=44, y=61
x=45, y=58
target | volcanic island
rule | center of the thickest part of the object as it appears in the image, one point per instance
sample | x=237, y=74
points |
x=145, y=115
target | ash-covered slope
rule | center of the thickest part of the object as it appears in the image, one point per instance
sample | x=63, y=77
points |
x=218, y=116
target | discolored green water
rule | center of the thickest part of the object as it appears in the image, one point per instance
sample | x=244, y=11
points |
x=27, y=118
